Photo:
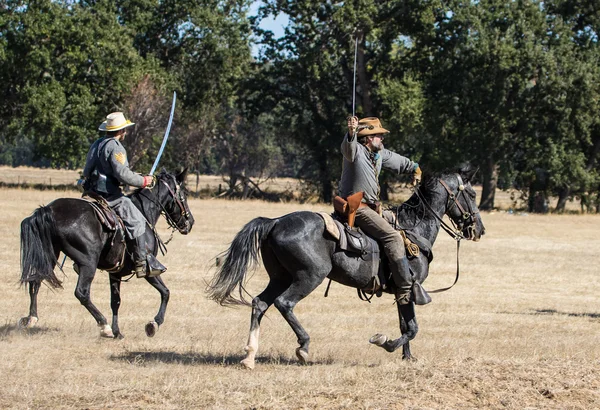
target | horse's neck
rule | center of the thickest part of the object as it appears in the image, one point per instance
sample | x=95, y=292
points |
x=149, y=208
x=417, y=217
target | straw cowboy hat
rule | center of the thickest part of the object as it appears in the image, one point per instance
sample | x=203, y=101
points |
x=114, y=122
x=370, y=126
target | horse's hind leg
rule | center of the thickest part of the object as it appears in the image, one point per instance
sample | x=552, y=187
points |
x=83, y=294
x=260, y=304
x=279, y=280
x=31, y=320
x=285, y=303
x=158, y=284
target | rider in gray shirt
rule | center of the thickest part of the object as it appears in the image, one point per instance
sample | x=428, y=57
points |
x=106, y=169
x=364, y=157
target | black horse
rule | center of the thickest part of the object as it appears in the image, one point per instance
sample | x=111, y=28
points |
x=298, y=255
x=70, y=225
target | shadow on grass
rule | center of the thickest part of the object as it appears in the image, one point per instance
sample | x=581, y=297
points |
x=195, y=359
x=556, y=312
x=10, y=329
x=553, y=312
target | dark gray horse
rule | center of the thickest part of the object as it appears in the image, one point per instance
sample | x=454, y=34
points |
x=298, y=255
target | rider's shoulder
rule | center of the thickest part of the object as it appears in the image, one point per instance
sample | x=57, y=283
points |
x=113, y=144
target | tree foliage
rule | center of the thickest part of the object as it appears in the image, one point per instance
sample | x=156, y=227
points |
x=512, y=86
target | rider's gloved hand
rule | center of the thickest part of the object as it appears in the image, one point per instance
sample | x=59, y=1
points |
x=352, y=124
x=417, y=176
x=148, y=181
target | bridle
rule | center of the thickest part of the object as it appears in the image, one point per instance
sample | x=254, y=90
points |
x=455, y=231
x=179, y=199
x=183, y=213
x=468, y=215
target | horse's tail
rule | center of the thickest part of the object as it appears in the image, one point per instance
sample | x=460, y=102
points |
x=242, y=254
x=38, y=258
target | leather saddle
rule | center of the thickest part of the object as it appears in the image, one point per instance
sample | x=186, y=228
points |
x=114, y=224
x=355, y=241
x=105, y=214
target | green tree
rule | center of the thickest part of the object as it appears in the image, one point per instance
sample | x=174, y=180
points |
x=65, y=65
x=306, y=77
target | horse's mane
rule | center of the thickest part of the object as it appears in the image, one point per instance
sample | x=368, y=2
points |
x=428, y=183
x=431, y=179
x=163, y=172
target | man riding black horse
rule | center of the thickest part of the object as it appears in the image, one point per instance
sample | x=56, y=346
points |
x=364, y=157
x=106, y=169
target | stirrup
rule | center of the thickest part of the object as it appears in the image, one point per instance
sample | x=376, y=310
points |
x=141, y=271
x=155, y=268
x=420, y=295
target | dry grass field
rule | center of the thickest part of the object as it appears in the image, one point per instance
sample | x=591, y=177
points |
x=521, y=329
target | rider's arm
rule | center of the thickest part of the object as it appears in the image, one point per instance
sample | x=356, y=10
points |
x=397, y=163
x=349, y=147
x=117, y=157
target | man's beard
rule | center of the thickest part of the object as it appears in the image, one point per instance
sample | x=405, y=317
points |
x=377, y=146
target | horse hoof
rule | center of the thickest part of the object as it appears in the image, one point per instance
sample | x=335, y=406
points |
x=107, y=332
x=302, y=355
x=27, y=321
x=378, y=339
x=248, y=363
x=151, y=329
x=119, y=336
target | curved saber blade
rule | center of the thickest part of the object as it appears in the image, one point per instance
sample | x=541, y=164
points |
x=164, y=141
x=354, y=76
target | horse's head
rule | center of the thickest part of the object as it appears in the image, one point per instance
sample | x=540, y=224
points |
x=461, y=206
x=172, y=196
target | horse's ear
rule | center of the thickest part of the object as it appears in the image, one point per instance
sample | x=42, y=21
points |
x=467, y=172
x=182, y=175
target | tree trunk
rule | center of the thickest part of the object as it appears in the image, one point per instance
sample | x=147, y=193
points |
x=490, y=181
x=563, y=197
x=326, y=189
x=538, y=201
x=384, y=190
x=363, y=79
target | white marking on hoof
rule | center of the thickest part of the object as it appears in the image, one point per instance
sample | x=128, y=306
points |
x=302, y=355
x=151, y=329
x=106, y=331
x=378, y=339
x=28, y=321
x=248, y=363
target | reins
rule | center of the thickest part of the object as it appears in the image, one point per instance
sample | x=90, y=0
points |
x=170, y=221
x=453, y=231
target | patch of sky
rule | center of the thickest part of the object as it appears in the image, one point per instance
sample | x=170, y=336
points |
x=276, y=24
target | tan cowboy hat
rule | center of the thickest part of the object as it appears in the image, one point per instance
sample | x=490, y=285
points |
x=370, y=126
x=114, y=122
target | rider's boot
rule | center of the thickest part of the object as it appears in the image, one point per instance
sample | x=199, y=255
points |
x=402, y=279
x=139, y=254
x=407, y=288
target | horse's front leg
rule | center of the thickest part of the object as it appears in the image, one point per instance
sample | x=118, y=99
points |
x=408, y=328
x=115, y=303
x=158, y=284
x=31, y=320
x=83, y=294
x=406, y=355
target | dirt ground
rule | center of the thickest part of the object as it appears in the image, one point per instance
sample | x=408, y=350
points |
x=520, y=330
